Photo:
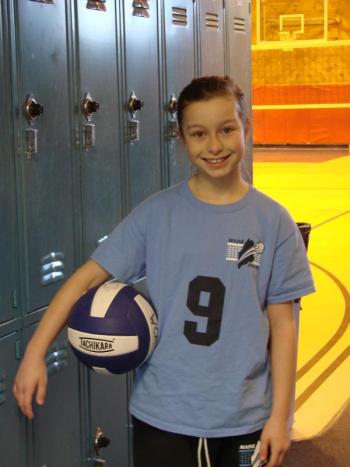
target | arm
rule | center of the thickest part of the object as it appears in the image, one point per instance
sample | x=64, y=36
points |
x=275, y=438
x=32, y=374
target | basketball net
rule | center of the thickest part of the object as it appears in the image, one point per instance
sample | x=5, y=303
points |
x=287, y=36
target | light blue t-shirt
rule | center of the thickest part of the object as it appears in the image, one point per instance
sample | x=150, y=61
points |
x=210, y=272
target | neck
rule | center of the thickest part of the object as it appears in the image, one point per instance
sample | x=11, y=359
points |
x=218, y=191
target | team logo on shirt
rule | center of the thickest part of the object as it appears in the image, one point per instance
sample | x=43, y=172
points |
x=244, y=252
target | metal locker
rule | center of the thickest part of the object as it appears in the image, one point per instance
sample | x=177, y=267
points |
x=9, y=293
x=43, y=123
x=142, y=100
x=238, y=26
x=99, y=108
x=180, y=64
x=212, y=37
x=55, y=429
x=12, y=428
x=102, y=193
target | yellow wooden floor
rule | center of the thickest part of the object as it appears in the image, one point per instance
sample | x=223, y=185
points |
x=315, y=187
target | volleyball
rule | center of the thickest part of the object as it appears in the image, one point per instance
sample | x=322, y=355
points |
x=112, y=328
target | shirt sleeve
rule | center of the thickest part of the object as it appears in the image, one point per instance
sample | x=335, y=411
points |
x=291, y=276
x=123, y=253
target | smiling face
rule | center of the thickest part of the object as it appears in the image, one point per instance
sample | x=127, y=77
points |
x=214, y=136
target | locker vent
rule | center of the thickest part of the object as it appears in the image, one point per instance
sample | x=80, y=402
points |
x=179, y=16
x=51, y=2
x=140, y=8
x=96, y=5
x=52, y=269
x=212, y=21
x=57, y=357
x=239, y=24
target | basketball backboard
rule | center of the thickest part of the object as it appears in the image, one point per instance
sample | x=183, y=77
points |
x=295, y=20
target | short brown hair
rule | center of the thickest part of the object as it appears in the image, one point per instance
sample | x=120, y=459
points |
x=208, y=87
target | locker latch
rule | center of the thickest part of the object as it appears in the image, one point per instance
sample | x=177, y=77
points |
x=89, y=136
x=31, y=142
x=101, y=441
x=133, y=131
x=32, y=110
x=133, y=106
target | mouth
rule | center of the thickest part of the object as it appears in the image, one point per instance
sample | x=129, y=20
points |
x=216, y=161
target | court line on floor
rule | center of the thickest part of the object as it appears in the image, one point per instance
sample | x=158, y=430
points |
x=346, y=318
x=340, y=331
x=321, y=378
x=330, y=219
x=312, y=388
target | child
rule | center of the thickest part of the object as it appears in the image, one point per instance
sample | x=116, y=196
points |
x=223, y=264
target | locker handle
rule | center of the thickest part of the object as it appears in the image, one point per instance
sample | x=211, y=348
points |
x=32, y=109
x=101, y=441
x=134, y=104
x=172, y=106
x=89, y=106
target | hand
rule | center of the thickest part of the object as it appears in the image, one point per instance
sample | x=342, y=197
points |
x=31, y=377
x=275, y=441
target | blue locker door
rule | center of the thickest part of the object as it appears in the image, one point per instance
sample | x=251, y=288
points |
x=238, y=25
x=101, y=178
x=142, y=84
x=12, y=434
x=55, y=429
x=180, y=59
x=44, y=125
x=109, y=412
x=212, y=37
x=8, y=220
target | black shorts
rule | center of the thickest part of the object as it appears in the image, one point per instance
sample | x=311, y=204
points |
x=157, y=448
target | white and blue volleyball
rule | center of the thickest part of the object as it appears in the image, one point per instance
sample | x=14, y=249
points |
x=112, y=328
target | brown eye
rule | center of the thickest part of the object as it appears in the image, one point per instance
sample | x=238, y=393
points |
x=198, y=134
x=227, y=130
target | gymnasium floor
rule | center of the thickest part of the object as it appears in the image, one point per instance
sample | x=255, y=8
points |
x=315, y=186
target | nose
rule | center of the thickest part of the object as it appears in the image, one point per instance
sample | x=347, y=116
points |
x=215, y=145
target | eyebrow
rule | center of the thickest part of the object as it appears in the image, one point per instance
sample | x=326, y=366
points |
x=198, y=125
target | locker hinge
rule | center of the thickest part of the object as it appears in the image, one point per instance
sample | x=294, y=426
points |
x=14, y=298
x=18, y=349
x=2, y=386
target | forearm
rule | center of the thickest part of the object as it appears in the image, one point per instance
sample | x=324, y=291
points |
x=283, y=345
x=57, y=313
